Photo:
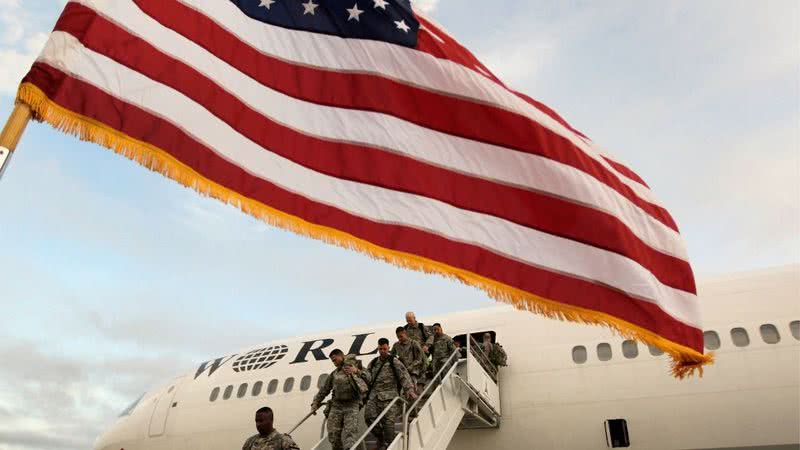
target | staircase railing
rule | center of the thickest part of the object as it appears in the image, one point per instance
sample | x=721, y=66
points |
x=307, y=416
x=483, y=359
x=431, y=384
x=378, y=419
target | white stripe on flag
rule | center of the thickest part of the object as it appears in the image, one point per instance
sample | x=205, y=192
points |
x=66, y=53
x=387, y=60
x=387, y=132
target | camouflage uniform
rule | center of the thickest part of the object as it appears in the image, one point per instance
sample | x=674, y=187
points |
x=497, y=355
x=384, y=387
x=275, y=441
x=443, y=347
x=344, y=407
x=423, y=335
x=415, y=333
x=411, y=355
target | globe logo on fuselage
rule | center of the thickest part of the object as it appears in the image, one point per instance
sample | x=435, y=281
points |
x=260, y=358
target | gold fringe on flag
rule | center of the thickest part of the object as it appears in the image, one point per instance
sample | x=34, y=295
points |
x=685, y=361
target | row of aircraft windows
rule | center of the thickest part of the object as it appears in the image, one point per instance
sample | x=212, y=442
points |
x=630, y=349
x=258, y=386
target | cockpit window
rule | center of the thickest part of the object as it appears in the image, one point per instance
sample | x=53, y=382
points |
x=127, y=411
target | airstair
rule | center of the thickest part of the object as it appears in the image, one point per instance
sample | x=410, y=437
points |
x=463, y=394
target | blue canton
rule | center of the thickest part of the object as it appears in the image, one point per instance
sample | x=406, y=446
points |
x=381, y=20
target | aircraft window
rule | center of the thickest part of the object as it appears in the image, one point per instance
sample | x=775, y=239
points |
x=242, y=390
x=305, y=383
x=629, y=349
x=740, y=337
x=288, y=384
x=711, y=340
x=579, y=354
x=795, y=327
x=322, y=379
x=214, y=394
x=655, y=351
x=272, y=387
x=257, y=388
x=228, y=391
x=769, y=333
x=603, y=352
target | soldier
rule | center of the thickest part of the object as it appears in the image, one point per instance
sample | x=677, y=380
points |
x=494, y=351
x=419, y=332
x=388, y=379
x=462, y=351
x=410, y=354
x=345, y=401
x=268, y=438
x=443, y=347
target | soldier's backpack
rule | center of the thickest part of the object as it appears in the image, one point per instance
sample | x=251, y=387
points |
x=499, y=357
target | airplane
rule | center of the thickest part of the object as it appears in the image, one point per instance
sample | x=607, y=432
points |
x=567, y=386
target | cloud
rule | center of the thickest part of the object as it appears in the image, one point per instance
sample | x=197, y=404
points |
x=426, y=6
x=22, y=37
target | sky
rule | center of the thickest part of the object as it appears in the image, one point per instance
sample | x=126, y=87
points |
x=114, y=278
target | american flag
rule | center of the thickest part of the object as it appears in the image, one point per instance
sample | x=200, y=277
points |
x=365, y=124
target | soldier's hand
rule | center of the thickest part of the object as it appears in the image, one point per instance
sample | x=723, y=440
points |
x=314, y=407
x=412, y=395
x=350, y=370
x=425, y=348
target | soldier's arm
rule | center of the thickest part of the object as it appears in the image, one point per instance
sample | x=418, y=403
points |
x=419, y=361
x=324, y=391
x=366, y=373
x=429, y=333
x=451, y=347
x=405, y=377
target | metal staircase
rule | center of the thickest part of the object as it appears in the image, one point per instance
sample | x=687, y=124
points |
x=463, y=394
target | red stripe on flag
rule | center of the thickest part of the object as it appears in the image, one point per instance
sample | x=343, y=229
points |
x=91, y=102
x=439, y=112
x=451, y=50
x=374, y=166
x=623, y=169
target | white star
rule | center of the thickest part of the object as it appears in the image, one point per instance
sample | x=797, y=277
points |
x=401, y=25
x=309, y=7
x=380, y=3
x=354, y=13
x=267, y=3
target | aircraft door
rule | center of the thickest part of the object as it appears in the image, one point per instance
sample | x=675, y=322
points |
x=158, y=421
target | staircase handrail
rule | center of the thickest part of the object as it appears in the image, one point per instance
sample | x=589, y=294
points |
x=430, y=384
x=306, y=417
x=454, y=356
x=483, y=358
x=378, y=419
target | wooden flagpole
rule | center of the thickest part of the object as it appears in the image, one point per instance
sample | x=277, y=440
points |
x=12, y=132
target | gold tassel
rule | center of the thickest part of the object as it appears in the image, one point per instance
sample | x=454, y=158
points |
x=685, y=361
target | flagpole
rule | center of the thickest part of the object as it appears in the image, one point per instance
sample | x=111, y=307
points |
x=12, y=132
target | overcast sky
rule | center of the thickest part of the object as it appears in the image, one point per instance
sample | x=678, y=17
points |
x=113, y=278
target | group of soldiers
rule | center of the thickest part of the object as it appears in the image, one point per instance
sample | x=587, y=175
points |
x=403, y=369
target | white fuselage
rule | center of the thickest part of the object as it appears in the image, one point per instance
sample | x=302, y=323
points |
x=749, y=398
